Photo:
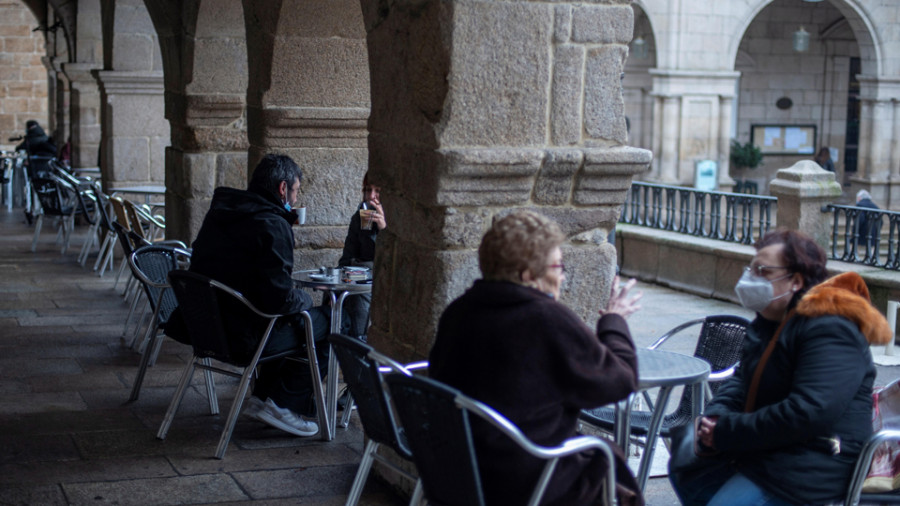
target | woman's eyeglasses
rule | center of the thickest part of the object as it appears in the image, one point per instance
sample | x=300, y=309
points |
x=760, y=270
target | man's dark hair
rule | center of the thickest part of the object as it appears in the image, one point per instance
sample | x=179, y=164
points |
x=272, y=170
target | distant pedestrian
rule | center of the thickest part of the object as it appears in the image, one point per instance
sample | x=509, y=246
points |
x=865, y=228
x=823, y=158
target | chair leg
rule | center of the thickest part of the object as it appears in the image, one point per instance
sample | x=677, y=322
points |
x=418, y=494
x=348, y=410
x=318, y=389
x=234, y=412
x=365, y=465
x=177, y=398
x=105, y=257
x=37, y=231
x=211, y=388
x=131, y=310
x=120, y=271
x=142, y=369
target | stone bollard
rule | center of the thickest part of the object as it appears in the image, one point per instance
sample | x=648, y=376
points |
x=802, y=190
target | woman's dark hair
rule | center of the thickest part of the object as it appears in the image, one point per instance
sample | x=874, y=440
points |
x=272, y=170
x=802, y=255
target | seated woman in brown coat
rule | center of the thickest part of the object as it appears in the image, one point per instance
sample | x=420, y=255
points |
x=509, y=343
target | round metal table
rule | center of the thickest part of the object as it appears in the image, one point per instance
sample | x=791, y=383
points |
x=338, y=292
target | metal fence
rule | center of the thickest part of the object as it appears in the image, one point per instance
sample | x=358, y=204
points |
x=744, y=218
x=865, y=236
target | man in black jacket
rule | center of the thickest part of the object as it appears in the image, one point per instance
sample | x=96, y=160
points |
x=246, y=242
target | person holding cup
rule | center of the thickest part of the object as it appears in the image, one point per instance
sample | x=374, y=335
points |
x=359, y=251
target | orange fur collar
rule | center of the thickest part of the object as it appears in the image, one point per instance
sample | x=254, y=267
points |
x=847, y=295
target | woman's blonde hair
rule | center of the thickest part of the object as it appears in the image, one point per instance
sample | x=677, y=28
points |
x=519, y=241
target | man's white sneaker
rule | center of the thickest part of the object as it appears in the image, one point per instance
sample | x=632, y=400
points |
x=286, y=420
x=253, y=406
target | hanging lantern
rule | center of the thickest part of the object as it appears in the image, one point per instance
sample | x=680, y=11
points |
x=801, y=40
x=639, y=48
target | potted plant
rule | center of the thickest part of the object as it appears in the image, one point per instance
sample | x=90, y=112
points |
x=745, y=156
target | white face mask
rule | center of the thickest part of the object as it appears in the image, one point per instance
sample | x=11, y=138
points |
x=756, y=293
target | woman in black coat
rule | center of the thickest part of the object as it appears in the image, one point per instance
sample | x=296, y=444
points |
x=509, y=343
x=788, y=429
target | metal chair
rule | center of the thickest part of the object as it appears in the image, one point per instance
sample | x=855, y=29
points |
x=719, y=343
x=151, y=265
x=213, y=312
x=435, y=419
x=888, y=432
x=361, y=366
x=59, y=200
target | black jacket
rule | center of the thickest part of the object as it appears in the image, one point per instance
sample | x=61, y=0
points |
x=536, y=362
x=359, y=245
x=816, y=386
x=247, y=243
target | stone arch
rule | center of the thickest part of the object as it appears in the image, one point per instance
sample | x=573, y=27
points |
x=638, y=83
x=308, y=97
x=135, y=132
x=863, y=29
x=205, y=61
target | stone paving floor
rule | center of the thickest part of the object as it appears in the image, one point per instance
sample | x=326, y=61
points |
x=69, y=437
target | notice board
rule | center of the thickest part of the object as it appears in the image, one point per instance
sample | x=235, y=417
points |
x=784, y=139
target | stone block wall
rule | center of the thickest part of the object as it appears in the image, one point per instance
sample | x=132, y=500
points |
x=23, y=78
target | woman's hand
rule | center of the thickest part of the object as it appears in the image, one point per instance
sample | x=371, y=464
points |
x=619, y=303
x=378, y=217
x=705, y=431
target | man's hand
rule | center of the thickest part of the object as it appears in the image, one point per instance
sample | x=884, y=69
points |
x=705, y=431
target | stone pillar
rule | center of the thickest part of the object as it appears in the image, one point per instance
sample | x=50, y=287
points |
x=879, y=158
x=726, y=183
x=84, y=113
x=461, y=134
x=135, y=132
x=668, y=154
x=802, y=190
x=59, y=103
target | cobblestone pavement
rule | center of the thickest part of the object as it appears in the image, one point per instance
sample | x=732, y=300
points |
x=69, y=437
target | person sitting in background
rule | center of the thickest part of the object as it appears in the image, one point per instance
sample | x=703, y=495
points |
x=509, y=343
x=788, y=426
x=864, y=229
x=359, y=251
x=823, y=158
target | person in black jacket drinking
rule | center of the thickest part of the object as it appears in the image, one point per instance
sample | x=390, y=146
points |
x=788, y=427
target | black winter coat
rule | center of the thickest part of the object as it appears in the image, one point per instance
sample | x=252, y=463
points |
x=536, y=362
x=246, y=242
x=359, y=245
x=815, y=389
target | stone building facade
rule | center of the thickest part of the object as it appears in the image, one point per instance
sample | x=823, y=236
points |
x=708, y=71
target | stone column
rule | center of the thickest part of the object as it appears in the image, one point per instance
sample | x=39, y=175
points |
x=58, y=93
x=84, y=112
x=802, y=190
x=135, y=133
x=463, y=130
x=879, y=162
x=668, y=154
x=726, y=183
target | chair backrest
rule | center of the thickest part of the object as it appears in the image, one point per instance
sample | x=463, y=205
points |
x=152, y=265
x=54, y=195
x=360, y=366
x=440, y=437
x=137, y=224
x=218, y=318
x=102, y=202
x=124, y=240
x=720, y=343
x=119, y=211
x=39, y=165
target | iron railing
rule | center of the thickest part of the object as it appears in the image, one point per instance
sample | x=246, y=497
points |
x=679, y=209
x=865, y=236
